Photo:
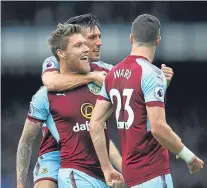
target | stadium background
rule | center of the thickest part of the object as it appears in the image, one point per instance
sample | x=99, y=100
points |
x=25, y=28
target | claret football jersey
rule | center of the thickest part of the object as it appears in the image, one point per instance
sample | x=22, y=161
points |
x=130, y=86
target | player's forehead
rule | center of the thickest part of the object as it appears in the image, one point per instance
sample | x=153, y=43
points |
x=76, y=38
x=94, y=31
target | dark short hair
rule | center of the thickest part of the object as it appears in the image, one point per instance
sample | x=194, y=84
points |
x=145, y=29
x=85, y=20
x=59, y=38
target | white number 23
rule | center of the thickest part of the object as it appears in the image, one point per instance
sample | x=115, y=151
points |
x=128, y=93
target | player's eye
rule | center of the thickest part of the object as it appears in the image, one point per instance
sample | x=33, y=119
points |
x=92, y=37
x=78, y=45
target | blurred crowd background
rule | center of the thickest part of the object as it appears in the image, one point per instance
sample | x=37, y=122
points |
x=25, y=27
x=46, y=13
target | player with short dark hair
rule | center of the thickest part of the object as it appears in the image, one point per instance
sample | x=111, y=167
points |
x=135, y=89
x=86, y=21
x=145, y=30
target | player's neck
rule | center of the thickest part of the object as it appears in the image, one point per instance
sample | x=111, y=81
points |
x=64, y=68
x=144, y=51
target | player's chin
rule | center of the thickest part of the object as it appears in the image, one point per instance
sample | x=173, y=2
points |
x=95, y=58
x=86, y=69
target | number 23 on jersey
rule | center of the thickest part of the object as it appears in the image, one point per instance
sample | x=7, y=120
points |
x=126, y=124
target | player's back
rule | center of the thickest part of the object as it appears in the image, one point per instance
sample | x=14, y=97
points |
x=128, y=86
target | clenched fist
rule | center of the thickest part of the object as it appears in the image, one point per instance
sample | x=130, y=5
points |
x=195, y=165
x=168, y=72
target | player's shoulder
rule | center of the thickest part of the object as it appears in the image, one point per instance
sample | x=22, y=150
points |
x=50, y=63
x=41, y=91
x=103, y=65
x=147, y=67
x=39, y=105
x=120, y=65
x=41, y=94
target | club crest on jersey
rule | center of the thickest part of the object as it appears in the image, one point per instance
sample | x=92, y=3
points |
x=159, y=93
x=49, y=64
x=94, y=88
x=87, y=110
x=44, y=171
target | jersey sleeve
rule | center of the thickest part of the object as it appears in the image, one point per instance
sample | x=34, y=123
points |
x=103, y=95
x=153, y=88
x=50, y=64
x=109, y=66
x=39, y=106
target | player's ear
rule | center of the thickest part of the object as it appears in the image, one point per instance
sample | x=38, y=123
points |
x=131, y=39
x=60, y=54
x=158, y=40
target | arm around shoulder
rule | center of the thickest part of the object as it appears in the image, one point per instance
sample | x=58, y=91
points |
x=54, y=81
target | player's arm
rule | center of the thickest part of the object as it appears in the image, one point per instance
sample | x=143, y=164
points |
x=54, y=81
x=162, y=132
x=38, y=113
x=153, y=89
x=101, y=113
x=170, y=140
x=115, y=156
x=24, y=150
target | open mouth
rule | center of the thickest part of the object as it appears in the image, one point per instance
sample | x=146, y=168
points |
x=84, y=58
x=97, y=51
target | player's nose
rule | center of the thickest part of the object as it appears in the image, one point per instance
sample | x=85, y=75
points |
x=99, y=42
x=86, y=49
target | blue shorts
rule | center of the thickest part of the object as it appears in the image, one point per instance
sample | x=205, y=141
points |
x=72, y=178
x=164, y=181
x=47, y=167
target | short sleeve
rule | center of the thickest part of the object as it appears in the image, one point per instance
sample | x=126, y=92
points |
x=39, y=106
x=153, y=87
x=50, y=64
